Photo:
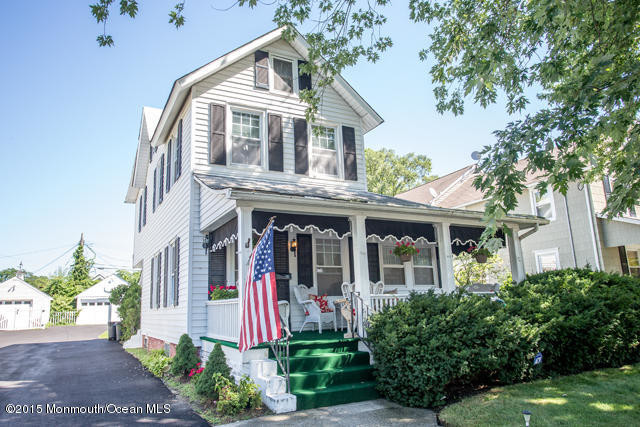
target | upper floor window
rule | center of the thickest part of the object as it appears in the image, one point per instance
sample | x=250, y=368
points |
x=283, y=75
x=246, y=138
x=543, y=204
x=324, y=159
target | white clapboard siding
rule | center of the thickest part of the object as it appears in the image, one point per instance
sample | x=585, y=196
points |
x=169, y=221
x=213, y=205
x=235, y=85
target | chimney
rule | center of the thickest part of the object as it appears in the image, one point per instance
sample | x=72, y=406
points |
x=20, y=272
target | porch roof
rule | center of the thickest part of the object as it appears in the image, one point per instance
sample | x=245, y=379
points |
x=255, y=189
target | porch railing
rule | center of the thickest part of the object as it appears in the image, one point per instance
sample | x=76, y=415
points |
x=380, y=301
x=280, y=349
x=223, y=321
x=360, y=314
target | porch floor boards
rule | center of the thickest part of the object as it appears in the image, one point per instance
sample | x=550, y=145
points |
x=327, y=369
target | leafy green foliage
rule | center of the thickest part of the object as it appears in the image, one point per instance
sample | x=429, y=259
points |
x=155, y=361
x=216, y=363
x=589, y=319
x=390, y=173
x=468, y=271
x=236, y=398
x=39, y=282
x=432, y=343
x=185, y=358
x=127, y=298
x=430, y=346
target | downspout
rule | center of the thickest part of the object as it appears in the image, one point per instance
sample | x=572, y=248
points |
x=573, y=244
x=592, y=228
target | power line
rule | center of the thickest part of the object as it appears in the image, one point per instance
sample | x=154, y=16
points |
x=34, y=252
x=55, y=259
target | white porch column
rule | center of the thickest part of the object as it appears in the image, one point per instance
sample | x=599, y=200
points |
x=360, y=260
x=245, y=246
x=443, y=238
x=515, y=254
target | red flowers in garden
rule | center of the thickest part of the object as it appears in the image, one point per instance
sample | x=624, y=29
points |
x=195, y=370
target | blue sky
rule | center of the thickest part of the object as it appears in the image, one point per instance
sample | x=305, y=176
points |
x=70, y=113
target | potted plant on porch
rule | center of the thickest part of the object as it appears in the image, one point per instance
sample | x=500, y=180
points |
x=405, y=250
x=480, y=254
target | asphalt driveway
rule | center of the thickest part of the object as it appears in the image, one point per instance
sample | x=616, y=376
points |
x=78, y=379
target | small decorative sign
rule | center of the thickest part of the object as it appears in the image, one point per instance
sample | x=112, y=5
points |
x=538, y=359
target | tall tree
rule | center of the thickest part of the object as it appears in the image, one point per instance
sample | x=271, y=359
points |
x=40, y=282
x=390, y=173
x=579, y=57
x=79, y=274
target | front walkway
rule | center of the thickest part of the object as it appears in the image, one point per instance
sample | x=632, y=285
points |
x=83, y=374
x=378, y=412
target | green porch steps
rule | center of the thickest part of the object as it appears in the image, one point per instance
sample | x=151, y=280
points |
x=328, y=370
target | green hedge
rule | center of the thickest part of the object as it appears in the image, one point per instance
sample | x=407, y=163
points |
x=431, y=345
x=587, y=319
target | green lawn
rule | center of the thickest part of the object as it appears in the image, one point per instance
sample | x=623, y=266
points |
x=604, y=397
x=104, y=335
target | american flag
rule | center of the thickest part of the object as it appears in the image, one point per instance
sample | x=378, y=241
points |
x=260, y=317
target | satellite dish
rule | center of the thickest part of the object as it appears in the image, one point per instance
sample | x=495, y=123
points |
x=433, y=192
x=475, y=156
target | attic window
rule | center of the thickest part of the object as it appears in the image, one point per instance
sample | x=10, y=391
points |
x=283, y=75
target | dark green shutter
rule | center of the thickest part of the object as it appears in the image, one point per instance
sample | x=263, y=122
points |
x=301, y=146
x=151, y=272
x=217, y=124
x=218, y=267
x=159, y=281
x=144, y=207
x=166, y=277
x=304, y=80
x=275, y=143
x=373, y=260
x=176, y=288
x=624, y=262
x=178, y=165
x=155, y=186
x=169, y=167
x=305, y=260
x=349, y=149
x=161, y=186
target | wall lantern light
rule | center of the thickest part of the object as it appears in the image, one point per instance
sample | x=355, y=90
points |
x=293, y=246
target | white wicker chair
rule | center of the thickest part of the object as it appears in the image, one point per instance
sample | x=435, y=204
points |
x=284, y=309
x=347, y=288
x=376, y=288
x=312, y=309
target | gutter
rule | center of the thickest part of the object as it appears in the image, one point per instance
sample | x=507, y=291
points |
x=573, y=244
x=592, y=228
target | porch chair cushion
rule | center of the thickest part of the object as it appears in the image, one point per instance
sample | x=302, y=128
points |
x=322, y=302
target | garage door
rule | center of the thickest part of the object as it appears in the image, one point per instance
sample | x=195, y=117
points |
x=93, y=312
x=15, y=314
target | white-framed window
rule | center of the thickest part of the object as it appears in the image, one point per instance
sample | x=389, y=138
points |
x=393, y=269
x=424, y=270
x=324, y=146
x=328, y=266
x=542, y=204
x=283, y=74
x=547, y=260
x=246, y=137
x=633, y=260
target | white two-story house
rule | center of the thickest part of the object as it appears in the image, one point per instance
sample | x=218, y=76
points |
x=232, y=148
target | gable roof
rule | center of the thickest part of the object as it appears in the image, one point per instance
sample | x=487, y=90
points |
x=181, y=87
x=456, y=189
x=19, y=282
x=148, y=123
x=103, y=287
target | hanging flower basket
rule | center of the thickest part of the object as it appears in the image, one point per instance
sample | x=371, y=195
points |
x=405, y=251
x=480, y=254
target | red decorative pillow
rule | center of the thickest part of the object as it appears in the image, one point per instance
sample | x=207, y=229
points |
x=322, y=302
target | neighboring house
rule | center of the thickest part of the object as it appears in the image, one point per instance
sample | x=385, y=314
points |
x=232, y=148
x=22, y=306
x=93, y=303
x=577, y=234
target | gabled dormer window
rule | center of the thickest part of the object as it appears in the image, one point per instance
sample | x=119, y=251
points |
x=246, y=138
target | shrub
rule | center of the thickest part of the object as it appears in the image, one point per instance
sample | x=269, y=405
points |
x=432, y=343
x=185, y=358
x=216, y=363
x=155, y=361
x=588, y=319
x=236, y=398
x=127, y=298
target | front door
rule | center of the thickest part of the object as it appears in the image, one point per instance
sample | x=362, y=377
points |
x=281, y=263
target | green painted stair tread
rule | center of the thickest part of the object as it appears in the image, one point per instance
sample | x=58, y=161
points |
x=330, y=377
x=296, y=350
x=324, y=361
x=336, y=395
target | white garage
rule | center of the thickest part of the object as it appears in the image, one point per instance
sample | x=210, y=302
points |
x=22, y=306
x=93, y=303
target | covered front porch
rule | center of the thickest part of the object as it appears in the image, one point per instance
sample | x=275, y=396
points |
x=333, y=255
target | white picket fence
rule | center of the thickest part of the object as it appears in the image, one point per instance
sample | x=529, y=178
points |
x=62, y=318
